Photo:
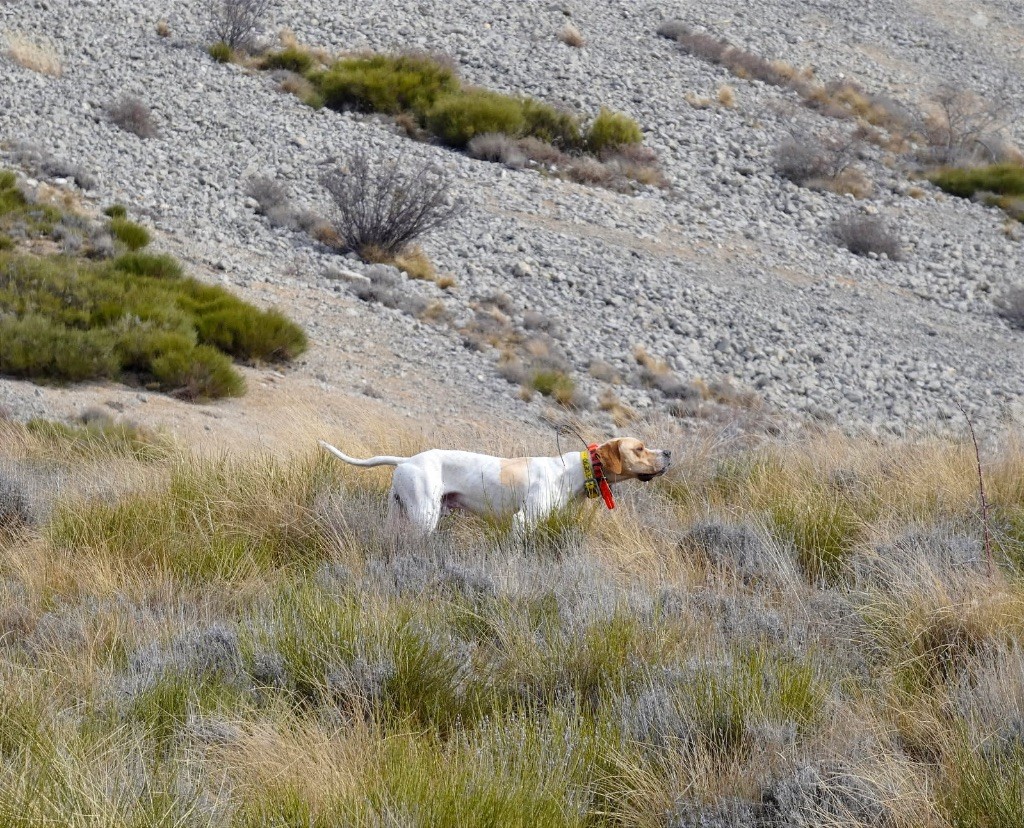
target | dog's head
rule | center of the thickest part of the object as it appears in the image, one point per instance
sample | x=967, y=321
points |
x=624, y=458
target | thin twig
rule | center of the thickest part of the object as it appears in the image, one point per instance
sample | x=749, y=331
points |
x=981, y=490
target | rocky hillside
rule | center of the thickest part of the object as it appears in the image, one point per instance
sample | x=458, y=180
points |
x=731, y=280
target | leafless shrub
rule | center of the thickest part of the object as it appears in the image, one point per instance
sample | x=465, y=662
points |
x=863, y=235
x=672, y=29
x=586, y=170
x=387, y=205
x=1010, y=306
x=269, y=193
x=236, y=22
x=962, y=127
x=571, y=36
x=805, y=156
x=541, y=152
x=132, y=114
x=497, y=147
x=163, y=28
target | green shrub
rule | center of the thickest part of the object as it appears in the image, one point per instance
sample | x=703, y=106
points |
x=135, y=317
x=385, y=83
x=456, y=119
x=611, y=130
x=131, y=235
x=264, y=336
x=221, y=52
x=554, y=384
x=157, y=265
x=116, y=211
x=1001, y=179
x=546, y=123
x=34, y=347
x=201, y=373
x=6, y=242
x=293, y=59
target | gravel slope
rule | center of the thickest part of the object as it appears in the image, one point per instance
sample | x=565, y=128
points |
x=731, y=273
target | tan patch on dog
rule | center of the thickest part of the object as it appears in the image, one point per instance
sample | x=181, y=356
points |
x=514, y=472
x=611, y=458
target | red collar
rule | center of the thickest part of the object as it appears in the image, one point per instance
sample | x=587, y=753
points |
x=594, y=479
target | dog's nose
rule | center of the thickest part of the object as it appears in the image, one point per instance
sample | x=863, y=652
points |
x=668, y=455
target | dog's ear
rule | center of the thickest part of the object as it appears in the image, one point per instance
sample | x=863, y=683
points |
x=611, y=459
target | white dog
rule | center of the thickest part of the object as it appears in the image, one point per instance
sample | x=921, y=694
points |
x=428, y=484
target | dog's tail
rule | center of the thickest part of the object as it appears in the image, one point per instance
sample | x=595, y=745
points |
x=382, y=460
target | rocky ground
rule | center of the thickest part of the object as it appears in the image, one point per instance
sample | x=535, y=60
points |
x=732, y=273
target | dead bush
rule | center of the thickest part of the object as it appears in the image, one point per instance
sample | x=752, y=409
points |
x=497, y=147
x=963, y=128
x=804, y=156
x=387, y=205
x=540, y=152
x=236, y=22
x=133, y=115
x=863, y=235
x=571, y=36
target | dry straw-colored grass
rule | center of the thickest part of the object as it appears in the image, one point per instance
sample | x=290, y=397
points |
x=690, y=651
x=39, y=56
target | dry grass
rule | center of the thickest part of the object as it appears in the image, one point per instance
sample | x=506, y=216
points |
x=571, y=36
x=799, y=628
x=41, y=57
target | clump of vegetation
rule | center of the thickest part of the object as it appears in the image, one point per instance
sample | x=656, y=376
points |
x=384, y=83
x=132, y=114
x=611, y=131
x=863, y=234
x=382, y=208
x=235, y=24
x=242, y=636
x=135, y=317
x=998, y=185
x=427, y=99
x=38, y=57
x=131, y=235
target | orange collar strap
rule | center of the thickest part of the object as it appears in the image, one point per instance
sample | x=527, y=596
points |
x=594, y=480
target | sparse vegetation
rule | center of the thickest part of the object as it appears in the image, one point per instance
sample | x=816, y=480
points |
x=425, y=96
x=235, y=23
x=864, y=234
x=132, y=114
x=383, y=207
x=38, y=57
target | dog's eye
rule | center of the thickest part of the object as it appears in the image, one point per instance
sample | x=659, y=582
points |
x=640, y=447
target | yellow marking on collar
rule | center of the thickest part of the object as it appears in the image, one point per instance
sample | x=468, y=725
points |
x=589, y=478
